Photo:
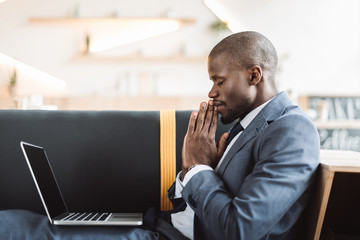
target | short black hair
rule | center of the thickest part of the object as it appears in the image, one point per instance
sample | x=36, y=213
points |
x=247, y=49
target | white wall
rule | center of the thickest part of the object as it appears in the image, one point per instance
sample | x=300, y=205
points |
x=317, y=41
x=54, y=48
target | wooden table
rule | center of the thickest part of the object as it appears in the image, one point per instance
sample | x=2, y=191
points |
x=334, y=163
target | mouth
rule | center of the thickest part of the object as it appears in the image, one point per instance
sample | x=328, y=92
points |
x=219, y=104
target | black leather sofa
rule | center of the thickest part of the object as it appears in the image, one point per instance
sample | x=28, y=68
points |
x=103, y=160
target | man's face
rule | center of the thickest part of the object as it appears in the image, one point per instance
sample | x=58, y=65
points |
x=231, y=91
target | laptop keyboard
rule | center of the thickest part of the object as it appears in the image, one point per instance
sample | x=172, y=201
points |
x=86, y=217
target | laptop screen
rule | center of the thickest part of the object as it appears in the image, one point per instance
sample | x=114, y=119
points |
x=44, y=179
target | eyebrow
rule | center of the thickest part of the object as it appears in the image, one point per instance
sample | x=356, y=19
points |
x=216, y=77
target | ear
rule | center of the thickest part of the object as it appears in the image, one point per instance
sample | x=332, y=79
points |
x=255, y=75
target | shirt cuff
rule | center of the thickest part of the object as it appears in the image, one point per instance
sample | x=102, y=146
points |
x=198, y=168
x=179, y=185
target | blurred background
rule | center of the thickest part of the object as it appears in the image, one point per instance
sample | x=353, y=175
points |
x=151, y=55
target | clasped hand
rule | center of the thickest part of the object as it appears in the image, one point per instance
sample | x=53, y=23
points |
x=199, y=145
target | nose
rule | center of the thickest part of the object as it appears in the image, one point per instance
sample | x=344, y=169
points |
x=213, y=93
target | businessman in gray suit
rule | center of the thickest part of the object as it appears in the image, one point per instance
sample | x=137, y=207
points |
x=254, y=183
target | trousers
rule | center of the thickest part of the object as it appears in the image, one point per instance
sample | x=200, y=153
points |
x=23, y=224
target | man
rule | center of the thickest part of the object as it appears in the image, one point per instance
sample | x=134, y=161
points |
x=256, y=187
x=253, y=183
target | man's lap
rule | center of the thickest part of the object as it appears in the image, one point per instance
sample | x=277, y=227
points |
x=22, y=224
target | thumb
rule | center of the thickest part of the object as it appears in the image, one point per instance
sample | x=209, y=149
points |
x=221, y=145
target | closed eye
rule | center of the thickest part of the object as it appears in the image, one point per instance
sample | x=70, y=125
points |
x=217, y=80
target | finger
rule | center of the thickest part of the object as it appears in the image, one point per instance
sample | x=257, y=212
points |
x=201, y=117
x=192, y=122
x=209, y=116
x=214, y=122
x=221, y=145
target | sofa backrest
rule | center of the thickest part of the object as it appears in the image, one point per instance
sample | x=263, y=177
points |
x=103, y=160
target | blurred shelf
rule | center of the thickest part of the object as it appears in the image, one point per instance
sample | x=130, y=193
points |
x=336, y=124
x=108, y=21
x=144, y=59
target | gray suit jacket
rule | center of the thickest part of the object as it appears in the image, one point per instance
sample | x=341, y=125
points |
x=261, y=187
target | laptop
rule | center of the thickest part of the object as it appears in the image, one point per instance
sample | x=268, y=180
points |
x=53, y=200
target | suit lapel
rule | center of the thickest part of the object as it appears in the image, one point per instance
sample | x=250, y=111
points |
x=268, y=114
x=250, y=132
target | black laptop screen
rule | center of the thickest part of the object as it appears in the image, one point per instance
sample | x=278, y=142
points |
x=45, y=179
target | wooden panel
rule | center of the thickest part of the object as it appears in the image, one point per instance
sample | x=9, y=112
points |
x=332, y=161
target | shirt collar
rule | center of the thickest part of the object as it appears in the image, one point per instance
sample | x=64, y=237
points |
x=251, y=115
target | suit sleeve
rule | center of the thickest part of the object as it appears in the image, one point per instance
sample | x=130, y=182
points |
x=286, y=155
x=178, y=203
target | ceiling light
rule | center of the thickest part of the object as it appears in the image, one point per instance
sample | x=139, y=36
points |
x=224, y=15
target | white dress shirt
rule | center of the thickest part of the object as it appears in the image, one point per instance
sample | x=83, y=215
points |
x=184, y=220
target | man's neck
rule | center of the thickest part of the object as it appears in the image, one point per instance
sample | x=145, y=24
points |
x=264, y=97
x=251, y=115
